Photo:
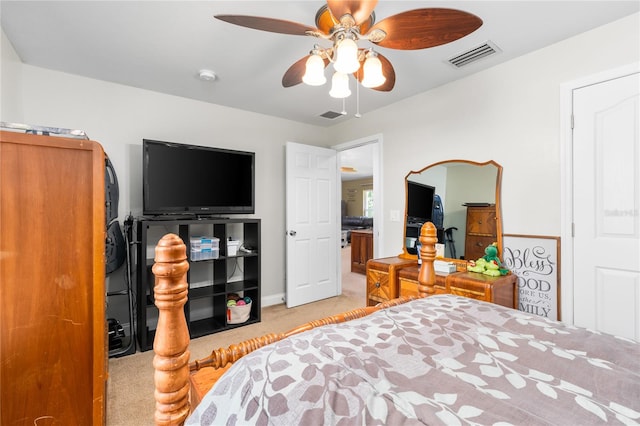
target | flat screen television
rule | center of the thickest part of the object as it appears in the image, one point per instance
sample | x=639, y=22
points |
x=419, y=202
x=196, y=180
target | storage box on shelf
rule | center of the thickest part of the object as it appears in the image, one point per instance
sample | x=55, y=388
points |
x=204, y=248
x=238, y=308
x=214, y=273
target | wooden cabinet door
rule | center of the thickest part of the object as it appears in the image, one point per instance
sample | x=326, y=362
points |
x=379, y=287
x=52, y=308
x=481, y=220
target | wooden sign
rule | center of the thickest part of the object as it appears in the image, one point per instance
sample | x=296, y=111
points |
x=535, y=261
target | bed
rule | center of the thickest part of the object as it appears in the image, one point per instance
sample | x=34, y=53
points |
x=440, y=359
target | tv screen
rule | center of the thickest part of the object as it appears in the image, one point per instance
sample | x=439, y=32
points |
x=199, y=180
x=419, y=202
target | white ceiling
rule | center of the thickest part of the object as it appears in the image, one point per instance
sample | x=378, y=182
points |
x=360, y=160
x=161, y=46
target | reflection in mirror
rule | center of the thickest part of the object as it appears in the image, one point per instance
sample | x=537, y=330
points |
x=461, y=188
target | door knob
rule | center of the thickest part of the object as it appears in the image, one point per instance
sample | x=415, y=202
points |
x=292, y=233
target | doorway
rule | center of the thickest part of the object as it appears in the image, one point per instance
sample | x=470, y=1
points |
x=373, y=145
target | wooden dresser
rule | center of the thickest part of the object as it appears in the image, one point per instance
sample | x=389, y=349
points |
x=361, y=249
x=382, y=278
x=499, y=290
x=482, y=230
x=52, y=309
x=408, y=282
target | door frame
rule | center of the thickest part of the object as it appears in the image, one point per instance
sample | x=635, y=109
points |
x=376, y=141
x=566, y=177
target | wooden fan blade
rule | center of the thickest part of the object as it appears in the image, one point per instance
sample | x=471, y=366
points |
x=422, y=28
x=359, y=9
x=296, y=71
x=267, y=24
x=387, y=71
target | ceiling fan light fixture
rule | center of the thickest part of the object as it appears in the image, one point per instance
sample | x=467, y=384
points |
x=340, y=86
x=346, y=61
x=372, y=68
x=314, y=71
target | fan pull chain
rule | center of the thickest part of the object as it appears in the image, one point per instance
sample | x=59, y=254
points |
x=358, y=115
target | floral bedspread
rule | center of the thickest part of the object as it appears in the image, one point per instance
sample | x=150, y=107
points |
x=439, y=360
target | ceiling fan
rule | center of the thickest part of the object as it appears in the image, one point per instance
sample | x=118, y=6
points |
x=344, y=23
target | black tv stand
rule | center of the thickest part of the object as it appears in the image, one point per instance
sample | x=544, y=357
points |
x=211, y=281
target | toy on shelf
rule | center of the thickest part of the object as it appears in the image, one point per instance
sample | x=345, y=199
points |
x=489, y=264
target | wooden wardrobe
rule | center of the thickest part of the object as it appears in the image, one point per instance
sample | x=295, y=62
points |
x=53, y=338
x=482, y=230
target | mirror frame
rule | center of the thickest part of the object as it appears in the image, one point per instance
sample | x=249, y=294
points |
x=461, y=264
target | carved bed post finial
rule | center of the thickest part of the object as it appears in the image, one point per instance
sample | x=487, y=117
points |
x=427, y=275
x=171, y=343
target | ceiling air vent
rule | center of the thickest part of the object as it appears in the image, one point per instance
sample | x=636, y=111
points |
x=486, y=49
x=330, y=114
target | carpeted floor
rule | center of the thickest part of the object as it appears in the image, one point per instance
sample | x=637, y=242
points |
x=130, y=385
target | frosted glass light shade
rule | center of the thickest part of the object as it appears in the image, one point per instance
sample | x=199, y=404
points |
x=314, y=71
x=339, y=86
x=347, y=57
x=373, y=76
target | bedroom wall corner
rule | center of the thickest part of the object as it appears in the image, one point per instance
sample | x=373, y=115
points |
x=10, y=82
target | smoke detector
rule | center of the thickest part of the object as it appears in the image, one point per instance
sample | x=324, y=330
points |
x=206, y=75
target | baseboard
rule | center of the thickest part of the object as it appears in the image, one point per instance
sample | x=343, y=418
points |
x=275, y=299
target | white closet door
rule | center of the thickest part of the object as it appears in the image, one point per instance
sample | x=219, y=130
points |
x=606, y=182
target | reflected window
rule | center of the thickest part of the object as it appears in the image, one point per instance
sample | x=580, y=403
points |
x=367, y=202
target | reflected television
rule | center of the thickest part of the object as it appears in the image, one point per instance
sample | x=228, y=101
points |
x=419, y=202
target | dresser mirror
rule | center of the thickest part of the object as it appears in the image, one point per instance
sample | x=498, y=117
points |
x=460, y=186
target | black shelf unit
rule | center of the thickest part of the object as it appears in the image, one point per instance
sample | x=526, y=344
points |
x=210, y=281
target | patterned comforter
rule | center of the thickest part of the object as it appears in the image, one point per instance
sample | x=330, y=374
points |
x=439, y=360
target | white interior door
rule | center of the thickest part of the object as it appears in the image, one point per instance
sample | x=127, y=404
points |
x=311, y=224
x=606, y=205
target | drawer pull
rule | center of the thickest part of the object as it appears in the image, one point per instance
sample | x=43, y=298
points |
x=378, y=285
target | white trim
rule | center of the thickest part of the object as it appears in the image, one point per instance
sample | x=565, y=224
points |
x=376, y=142
x=566, y=177
x=274, y=299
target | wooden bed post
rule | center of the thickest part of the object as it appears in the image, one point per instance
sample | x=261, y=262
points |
x=427, y=275
x=171, y=343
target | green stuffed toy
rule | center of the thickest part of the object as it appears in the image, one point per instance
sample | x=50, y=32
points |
x=491, y=254
x=489, y=264
x=477, y=266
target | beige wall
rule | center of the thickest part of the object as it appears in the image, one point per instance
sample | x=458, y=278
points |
x=10, y=82
x=509, y=113
x=119, y=117
x=352, y=194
